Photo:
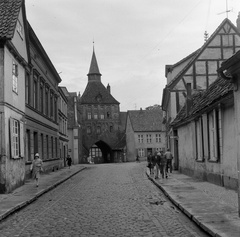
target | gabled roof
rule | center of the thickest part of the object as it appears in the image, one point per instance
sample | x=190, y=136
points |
x=9, y=11
x=146, y=120
x=218, y=91
x=97, y=93
x=199, y=51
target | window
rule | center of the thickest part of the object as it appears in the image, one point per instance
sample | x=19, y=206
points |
x=55, y=108
x=15, y=76
x=111, y=128
x=46, y=101
x=42, y=143
x=47, y=146
x=98, y=130
x=52, y=150
x=27, y=88
x=16, y=138
x=89, y=130
x=149, y=138
x=215, y=137
x=101, y=116
x=51, y=104
x=158, y=137
x=56, y=147
x=95, y=151
x=41, y=98
x=95, y=116
x=199, y=139
x=89, y=115
x=28, y=145
x=140, y=138
x=19, y=28
x=141, y=152
x=35, y=90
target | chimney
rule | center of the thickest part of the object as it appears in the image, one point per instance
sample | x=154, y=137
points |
x=108, y=89
x=189, y=98
x=238, y=22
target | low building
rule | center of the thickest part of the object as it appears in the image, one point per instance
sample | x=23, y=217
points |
x=206, y=135
x=200, y=70
x=145, y=133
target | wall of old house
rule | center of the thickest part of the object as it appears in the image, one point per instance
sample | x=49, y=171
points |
x=130, y=141
x=222, y=172
x=12, y=169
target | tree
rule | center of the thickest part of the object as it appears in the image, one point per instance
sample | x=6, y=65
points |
x=152, y=107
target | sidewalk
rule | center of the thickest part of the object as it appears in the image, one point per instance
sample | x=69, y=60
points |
x=22, y=196
x=213, y=208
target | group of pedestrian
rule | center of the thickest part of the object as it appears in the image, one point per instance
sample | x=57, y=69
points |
x=160, y=163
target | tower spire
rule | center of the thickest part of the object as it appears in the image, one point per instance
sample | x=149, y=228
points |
x=94, y=73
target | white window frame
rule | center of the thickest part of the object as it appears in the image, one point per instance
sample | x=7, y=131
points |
x=141, y=152
x=215, y=135
x=89, y=115
x=149, y=138
x=158, y=137
x=16, y=138
x=140, y=138
x=15, y=76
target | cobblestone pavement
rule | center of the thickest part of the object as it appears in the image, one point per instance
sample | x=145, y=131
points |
x=103, y=200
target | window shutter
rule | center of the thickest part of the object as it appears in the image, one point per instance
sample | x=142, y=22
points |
x=11, y=137
x=21, y=139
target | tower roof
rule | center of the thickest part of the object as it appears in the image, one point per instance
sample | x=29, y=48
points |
x=94, y=65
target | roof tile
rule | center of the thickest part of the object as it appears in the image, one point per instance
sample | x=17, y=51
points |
x=9, y=11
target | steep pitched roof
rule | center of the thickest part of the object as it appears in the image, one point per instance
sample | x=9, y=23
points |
x=219, y=90
x=97, y=93
x=146, y=120
x=9, y=11
x=197, y=53
x=94, y=65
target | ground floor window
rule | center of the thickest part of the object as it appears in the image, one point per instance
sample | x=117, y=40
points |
x=141, y=152
x=95, y=151
x=16, y=138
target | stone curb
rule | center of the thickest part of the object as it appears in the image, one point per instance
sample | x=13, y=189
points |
x=39, y=194
x=207, y=229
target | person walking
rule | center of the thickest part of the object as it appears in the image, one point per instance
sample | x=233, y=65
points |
x=162, y=165
x=157, y=165
x=69, y=161
x=150, y=163
x=36, y=168
x=169, y=158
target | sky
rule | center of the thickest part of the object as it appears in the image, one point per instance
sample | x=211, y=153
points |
x=133, y=40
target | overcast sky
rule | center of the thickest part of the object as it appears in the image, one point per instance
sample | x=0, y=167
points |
x=133, y=40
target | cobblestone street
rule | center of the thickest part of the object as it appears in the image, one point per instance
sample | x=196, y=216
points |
x=103, y=200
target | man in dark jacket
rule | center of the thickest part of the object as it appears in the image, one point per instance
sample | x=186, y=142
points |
x=161, y=161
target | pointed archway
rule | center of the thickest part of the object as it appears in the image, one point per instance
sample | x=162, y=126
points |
x=100, y=152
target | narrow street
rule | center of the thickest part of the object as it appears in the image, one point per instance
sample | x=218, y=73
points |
x=103, y=200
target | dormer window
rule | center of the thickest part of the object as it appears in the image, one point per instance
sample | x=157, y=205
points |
x=20, y=29
x=99, y=98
